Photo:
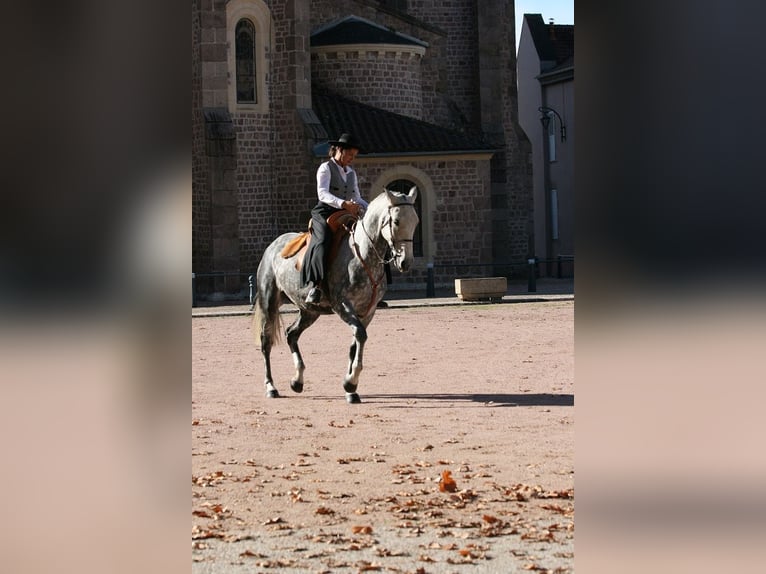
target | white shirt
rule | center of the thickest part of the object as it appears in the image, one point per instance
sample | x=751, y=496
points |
x=323, y=186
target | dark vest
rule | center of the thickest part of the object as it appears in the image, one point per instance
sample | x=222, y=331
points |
x=338, y=187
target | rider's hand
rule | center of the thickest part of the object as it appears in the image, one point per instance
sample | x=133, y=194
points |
x=353, y=207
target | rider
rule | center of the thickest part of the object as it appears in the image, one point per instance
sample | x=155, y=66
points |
x=337, y=189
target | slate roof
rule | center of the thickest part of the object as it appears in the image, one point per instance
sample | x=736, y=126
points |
x=384, y=133
x=557, y=49
x=355, y=30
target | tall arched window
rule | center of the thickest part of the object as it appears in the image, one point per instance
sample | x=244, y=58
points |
x=404, y=186
x=245, y=62
x=249, y=37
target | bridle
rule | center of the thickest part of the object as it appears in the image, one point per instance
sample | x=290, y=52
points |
x=389, y=240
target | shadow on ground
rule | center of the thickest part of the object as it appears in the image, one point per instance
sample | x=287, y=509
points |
x=441, y=399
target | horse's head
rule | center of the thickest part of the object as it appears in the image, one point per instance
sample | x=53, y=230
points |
x=399, y=225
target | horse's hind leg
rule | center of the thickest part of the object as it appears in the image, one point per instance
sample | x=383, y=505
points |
x=266, y=327
x=266, y=344
x=304, y=321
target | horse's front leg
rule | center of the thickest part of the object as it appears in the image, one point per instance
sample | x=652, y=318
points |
x=356, y=353
x=293, y=332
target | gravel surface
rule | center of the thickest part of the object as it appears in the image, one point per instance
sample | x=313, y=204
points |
x=459, y=459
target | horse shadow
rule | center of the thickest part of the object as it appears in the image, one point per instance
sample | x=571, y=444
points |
x=484, y=399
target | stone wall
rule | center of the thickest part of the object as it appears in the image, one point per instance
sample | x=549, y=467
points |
x=213, y=53
x=389, y=80
x=454, y=56
x=291, y=192
x=221, y=152
x=512, y=223
x=200, y=194
x=433, y=78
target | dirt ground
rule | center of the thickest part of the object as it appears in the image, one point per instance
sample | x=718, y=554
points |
x=480, y=394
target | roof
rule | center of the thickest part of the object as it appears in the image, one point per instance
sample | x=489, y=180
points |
x=386, y=133
x=558, y=73
x=355, y=30
x=553, y=42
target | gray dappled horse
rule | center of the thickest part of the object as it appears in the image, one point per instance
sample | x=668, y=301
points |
x=354, y=284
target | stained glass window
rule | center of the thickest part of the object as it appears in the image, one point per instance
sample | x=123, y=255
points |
x=245, y=55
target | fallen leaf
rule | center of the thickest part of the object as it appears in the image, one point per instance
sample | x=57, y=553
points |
x=275, y=520
x=386, y=552
x=200, y=534
x=447, y=483
x=361, y=529
x=251, y=553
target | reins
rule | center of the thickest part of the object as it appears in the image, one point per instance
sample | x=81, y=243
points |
x=374, y=283
x=381, y=260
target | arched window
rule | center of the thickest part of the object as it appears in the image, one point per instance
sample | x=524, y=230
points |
x=249, y=37
x=245, y=62
x=404, y=186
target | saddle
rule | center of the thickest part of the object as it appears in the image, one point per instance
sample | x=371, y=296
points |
x=339, y=223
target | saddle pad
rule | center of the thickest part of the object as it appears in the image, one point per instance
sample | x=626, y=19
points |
x=295, y=245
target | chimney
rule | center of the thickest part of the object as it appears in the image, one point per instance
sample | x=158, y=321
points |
x=552, y=28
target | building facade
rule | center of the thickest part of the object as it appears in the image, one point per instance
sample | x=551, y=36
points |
x=429, y=88
x=546, y=80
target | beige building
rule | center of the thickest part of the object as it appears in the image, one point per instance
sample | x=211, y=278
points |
x=546, y=92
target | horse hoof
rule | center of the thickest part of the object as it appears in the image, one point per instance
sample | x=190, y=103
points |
x=349, y=387
x=353, y=398
x=272, y=394
x=296, y=386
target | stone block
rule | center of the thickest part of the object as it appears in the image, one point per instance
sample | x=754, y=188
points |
x=481, y=289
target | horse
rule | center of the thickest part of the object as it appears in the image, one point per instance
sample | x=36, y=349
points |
x=354, y=284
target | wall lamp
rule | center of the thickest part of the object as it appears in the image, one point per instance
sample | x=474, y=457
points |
x=546, y=118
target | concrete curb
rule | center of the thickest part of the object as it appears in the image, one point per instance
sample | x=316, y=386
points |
x=244, y=309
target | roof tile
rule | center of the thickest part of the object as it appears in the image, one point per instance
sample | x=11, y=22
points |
x=386, y=133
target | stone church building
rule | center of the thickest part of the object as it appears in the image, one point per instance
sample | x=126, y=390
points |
x=427, y=86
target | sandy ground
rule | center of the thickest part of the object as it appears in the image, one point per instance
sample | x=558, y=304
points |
x=309, y=483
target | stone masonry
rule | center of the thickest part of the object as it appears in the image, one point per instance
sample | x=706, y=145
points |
x=464, y=81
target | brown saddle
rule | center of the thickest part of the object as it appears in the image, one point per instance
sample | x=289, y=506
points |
x=339, y=223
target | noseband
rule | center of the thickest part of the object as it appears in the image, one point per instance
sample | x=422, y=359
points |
x=391, y=242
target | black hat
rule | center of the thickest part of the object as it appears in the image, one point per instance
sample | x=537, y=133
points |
x=346, y=141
